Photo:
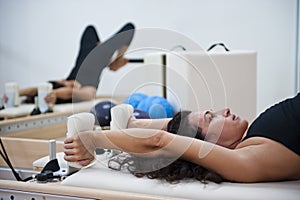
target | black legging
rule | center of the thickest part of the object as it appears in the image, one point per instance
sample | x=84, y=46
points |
x=89, y=41
x=88, y=73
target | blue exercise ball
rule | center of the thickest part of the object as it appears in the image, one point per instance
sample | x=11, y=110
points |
x=140, y=114
x=157, y=111
x=102, y=112
x=135, y=98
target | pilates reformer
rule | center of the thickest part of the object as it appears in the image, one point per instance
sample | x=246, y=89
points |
x=111, y=184
x=115, y=184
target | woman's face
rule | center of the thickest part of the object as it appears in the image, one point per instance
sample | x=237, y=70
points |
x=220, y=127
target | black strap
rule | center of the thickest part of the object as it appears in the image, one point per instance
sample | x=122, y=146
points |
x=6, y=159
x=136, y=60
x=218, y=44
x=181, y=47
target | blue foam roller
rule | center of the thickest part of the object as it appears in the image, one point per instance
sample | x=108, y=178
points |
x=156, y=111
x=146, y=104
x=135, y=98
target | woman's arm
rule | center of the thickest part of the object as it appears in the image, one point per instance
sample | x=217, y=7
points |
x=138, y=141
x=160, y=124
x=85, y=93
x=30, y=91
x=255, y=160
x=148, y=142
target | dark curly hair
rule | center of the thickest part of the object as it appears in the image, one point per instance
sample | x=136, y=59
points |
x=173, y=171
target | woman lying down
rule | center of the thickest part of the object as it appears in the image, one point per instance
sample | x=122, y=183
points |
x=205, y=145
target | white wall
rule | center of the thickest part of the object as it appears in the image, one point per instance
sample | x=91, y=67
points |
x=39, y=39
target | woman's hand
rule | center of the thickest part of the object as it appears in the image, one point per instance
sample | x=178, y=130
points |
x=80, y=148
x=50, y=98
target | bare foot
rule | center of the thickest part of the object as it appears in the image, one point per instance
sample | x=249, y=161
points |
x=118, y=63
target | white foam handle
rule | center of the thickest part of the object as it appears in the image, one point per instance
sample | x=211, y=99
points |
x=77, y=123
x=12, y=93
x=120, y=115
x=43, y=90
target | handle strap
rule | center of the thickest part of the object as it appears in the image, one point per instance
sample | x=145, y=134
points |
x=218, y=44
